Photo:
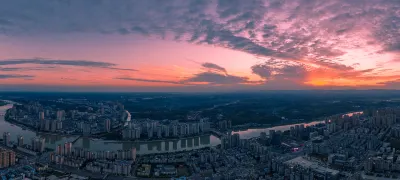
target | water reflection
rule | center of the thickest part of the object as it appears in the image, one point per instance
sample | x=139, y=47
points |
x=153, y=146
x=250, y=133
x=161, y=146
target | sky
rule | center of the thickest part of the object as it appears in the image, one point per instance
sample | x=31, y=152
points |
x=199, y=45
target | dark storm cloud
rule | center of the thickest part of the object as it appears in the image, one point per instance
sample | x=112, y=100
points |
x=81, y=63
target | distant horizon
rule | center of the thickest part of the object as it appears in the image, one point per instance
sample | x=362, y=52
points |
x=198, y=92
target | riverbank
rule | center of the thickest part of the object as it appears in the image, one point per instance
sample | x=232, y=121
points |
x=17, y=123
x=24, y=126
x=3, y=103
x=248, y=126
x=154, y=140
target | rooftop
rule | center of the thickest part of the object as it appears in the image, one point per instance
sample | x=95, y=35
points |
x=312, y=165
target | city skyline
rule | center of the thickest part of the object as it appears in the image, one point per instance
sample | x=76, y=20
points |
x=225, y=45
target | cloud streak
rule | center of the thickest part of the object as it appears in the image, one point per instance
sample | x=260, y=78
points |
x=214, y=67
x=15, y=76
x=146, y=80
x=39, y=61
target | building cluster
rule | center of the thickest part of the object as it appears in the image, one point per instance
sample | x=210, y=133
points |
x=119, y=167
x=344, y=147
x=23, y=172
x=303, y=168
x=37, y=144
x=91, y=118
x=7, y=158
x=153, y=129
x=115, y=162
x=51, y=125
x=224, y=125
x=81, y=153
x=354, y=146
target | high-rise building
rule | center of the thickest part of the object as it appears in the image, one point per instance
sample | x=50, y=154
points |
x=42, y=144
x=235, y=140
x=107, y=125
x=138, y=132
x=38, y=144
x=6, y=138
x=133, y=151
x=47, y=125
x=174, y=130
x=7, y=158
x=183, y=129
x=206, y=126
x=33, y=144
x=67, y=148
x=73, y=112
x=102, y=110
x=41, y=115
x=229, y=124
x=59, y=150
x=225, y=142
x=166, y=130
x=263, y=135
x=150, y=132
x=59, y=125
x=20, y=141
x=42, y=124
x=53, y=126
x=86, y=129
x=159, y=135
x=60, y=115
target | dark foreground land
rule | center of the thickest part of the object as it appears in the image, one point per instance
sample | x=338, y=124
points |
x=267, y=107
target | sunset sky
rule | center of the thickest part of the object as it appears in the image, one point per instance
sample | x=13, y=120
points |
x=199, y=45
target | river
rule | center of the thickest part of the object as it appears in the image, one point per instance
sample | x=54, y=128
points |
x=159, y=146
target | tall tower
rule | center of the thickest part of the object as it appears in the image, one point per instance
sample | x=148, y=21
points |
x=20, y=140
x=133, y=151
x=60, y=115
x=6, y=138
x=107, y=125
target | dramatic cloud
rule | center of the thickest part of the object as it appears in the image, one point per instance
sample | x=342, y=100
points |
x=391, y=84
x=290, y=29
x=214, y=75
x=215, y=78
x=146, y=80
x=304, y=40
x=19, y=69
x=81, y=63
x=280, y=70
x=15, y=76
x=215, y=67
